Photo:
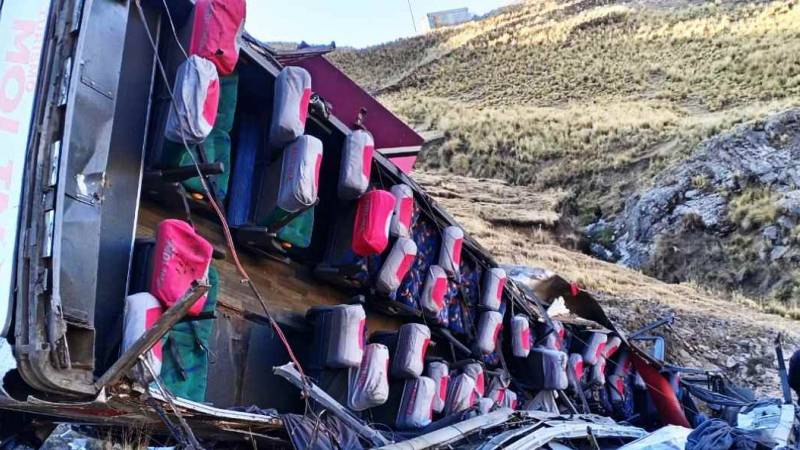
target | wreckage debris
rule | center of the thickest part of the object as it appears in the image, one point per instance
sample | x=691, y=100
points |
x=394, y=327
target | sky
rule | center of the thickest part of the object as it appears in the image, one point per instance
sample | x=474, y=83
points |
x=354, y=23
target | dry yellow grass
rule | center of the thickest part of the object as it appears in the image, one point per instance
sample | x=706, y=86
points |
x=590, y=96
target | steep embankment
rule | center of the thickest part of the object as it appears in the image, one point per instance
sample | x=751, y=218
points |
x=727, y=216
x=517, y=225
x=594, y=97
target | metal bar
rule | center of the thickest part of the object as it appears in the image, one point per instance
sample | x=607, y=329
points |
x=185, y=172
x=187, y=430
x=591, y=438
x=290, y=373
x=151, y=336
x=787, y=393
x=454, y=342
x=575, y=431
x=569, y=402
x=499, y=440
x=454, y=433
x=669, y=319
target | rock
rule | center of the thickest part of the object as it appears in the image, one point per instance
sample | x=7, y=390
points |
x=786, y=222
x=790, y=203
x=771, y=232
x=747, y=153
x=778, y=252
x=601, y=252
x=677, y=232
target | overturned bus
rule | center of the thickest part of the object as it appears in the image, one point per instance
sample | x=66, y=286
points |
x=213, y=240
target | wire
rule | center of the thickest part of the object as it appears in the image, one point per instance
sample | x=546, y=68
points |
x=174, y=32
x=169, y=399
x=413, y=20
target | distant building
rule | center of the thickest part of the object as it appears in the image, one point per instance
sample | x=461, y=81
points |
x=449, y=18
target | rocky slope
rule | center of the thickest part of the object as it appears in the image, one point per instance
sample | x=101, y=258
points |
x=727, y=216
x=709, y=332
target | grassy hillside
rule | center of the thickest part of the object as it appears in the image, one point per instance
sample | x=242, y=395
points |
x=589, y=97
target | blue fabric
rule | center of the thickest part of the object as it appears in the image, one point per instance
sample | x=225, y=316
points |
x=241, y=184
x=307, y=434
x=716, y=434
x=428, y=240
x=471, y=276
x=463, y=298
x=623, y=410
x=492, y=359
x=455, y=310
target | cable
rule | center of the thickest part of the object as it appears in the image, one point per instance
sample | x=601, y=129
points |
x=174, y=32
x=413, y=20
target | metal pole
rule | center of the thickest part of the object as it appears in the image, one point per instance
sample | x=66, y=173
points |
x=413, y=20
x=787, y=393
